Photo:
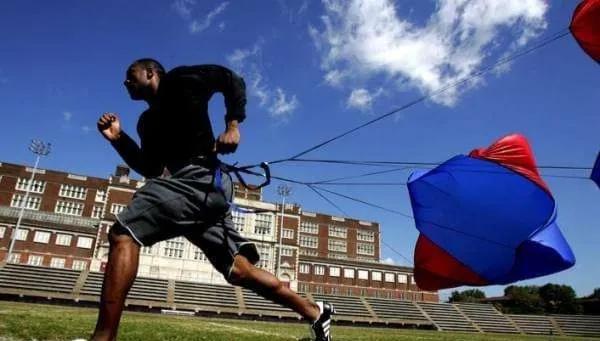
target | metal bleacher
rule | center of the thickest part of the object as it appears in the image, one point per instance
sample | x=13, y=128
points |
x=43, y=283
x=578, y=325
x=35, y=278
x=534, y=324
x=447, y=317
x=200, y=296
x=487, y=318
x=347, y=307
x=397, y=310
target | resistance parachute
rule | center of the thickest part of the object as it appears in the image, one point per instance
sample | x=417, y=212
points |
x=486, y=218
x=585, y=27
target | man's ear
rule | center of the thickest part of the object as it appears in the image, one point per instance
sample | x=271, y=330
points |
x=149, y=73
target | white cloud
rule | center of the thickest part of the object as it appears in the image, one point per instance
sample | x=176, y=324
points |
x=362, y=99
x=248, y=63
x=363, y=39
x=289, y=10
x=85, y=129
x=184, y=9
x=389, y=260
x=281, y=106
x=197, y=26
x=67, y=115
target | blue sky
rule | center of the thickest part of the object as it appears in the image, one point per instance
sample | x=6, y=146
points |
x=315, y=69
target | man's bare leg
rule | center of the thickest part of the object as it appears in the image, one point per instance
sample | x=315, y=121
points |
x=268, y=286
x=121, y=269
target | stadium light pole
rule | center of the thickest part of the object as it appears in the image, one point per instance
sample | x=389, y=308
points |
x=40, y=149
x=284, y=191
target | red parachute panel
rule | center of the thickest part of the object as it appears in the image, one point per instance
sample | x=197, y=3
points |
x=585, y=27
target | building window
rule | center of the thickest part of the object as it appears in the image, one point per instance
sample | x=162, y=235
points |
x=97, y=212
x=35, y=260
x=402, y=278
x=262, y=224
x=36, y=187
x=304, y=268
x=15, y=258
x=264, y=252
x=365, y=236
x=69, y=207
x=22, y=234
x=41, y=237
x=309, y=252
x=337, y=255
x=365, y=249
x=288, y=234
x=147, y=250
x=199, y=255
x=412, y=280
x=337, y=231
x=319, y=270
x=363, y=274
x=349, y=292
x=335, y=272
x=363, y=292
x=302, y=287
x=376, y=276
x=84, y=242
x=367, y=259
x=319, y=289
x=63, y=239
x=389, y=277
x=33, y=202
x=309, y=241
x=100, y=195
x=174, y=248
x=334, y=290
x=79, y=265
x=309, y=227
x=286, y=251
x=336, y=245
x=239, y=220
x=72, y=191
x=2, y=231
x=57, y=262
x=117, y=208
x=348, y=273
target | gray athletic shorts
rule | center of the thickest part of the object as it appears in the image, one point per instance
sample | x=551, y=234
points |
x=187, y=204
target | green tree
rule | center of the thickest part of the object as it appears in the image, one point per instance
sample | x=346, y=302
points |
x=595, y=294
x=471, y=295
x=523, y=300
x=591, y=303
x=559, y=299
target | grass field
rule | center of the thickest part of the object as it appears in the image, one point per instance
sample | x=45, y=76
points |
x=26, y=321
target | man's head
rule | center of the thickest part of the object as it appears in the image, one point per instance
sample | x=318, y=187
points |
x=142, y=78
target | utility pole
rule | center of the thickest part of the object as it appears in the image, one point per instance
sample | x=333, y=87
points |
x=283, y=191
x=40, y=149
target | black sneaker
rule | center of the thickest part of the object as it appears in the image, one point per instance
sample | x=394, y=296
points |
x=320, y=329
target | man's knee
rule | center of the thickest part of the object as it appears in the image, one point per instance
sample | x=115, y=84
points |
x=246, y=275
x=119, y=235
x=240, y=272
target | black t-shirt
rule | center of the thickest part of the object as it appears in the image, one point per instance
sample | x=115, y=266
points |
x=177, y=127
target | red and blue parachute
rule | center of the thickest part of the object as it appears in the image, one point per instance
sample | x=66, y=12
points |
x=486, y=218
x=585, y=27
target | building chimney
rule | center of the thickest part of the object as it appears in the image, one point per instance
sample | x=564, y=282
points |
x=122, y=170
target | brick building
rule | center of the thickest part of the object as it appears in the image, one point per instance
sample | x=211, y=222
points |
x=67, y=218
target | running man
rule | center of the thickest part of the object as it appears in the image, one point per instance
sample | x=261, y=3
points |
x=176, y=134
